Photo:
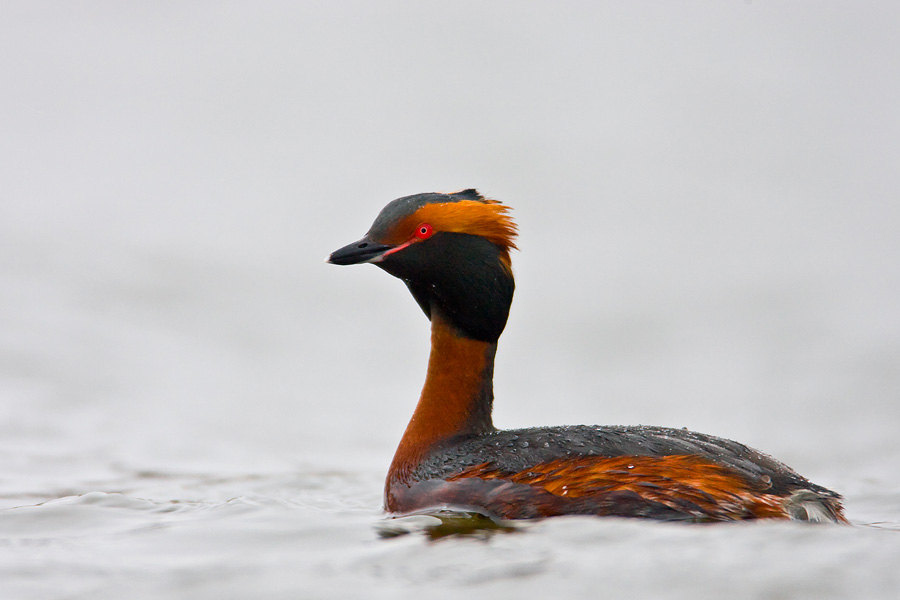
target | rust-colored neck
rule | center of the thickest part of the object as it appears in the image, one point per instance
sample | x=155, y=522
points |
x=456, y=400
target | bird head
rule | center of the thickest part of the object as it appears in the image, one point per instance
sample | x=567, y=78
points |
x=452, y=251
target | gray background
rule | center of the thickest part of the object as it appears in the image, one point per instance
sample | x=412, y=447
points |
x=707, y=196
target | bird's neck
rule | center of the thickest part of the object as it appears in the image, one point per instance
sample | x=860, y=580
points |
x=456, y=400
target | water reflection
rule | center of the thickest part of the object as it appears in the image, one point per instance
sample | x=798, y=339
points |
x=445, y=523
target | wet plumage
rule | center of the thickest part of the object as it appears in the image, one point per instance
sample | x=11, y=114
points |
x=453, y=253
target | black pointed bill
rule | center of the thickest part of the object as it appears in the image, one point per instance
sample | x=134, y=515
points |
x=363, y=251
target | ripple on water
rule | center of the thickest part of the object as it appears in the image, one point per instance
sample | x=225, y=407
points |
x=94, y=513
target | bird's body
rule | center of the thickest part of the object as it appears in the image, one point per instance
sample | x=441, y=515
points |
x=452, y=251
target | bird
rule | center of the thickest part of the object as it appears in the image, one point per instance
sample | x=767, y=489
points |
x=452, y=250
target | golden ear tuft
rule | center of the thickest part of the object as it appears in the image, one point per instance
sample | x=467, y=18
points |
x=486, y=218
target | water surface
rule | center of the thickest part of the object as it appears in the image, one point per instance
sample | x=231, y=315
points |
x=193, y=405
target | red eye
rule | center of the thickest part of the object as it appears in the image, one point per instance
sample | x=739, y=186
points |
x=424, y=231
